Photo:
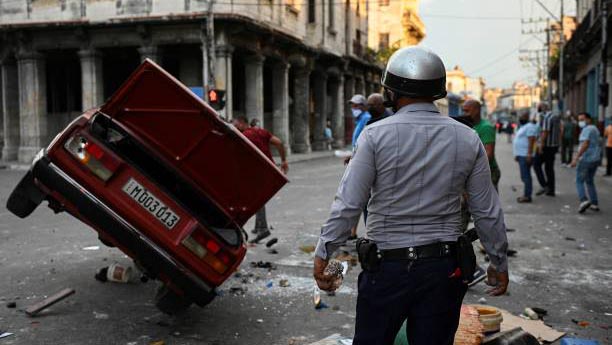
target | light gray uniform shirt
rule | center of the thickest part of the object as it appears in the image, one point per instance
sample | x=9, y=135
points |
x=412, y=169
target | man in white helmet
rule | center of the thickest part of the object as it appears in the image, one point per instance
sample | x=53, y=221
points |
x=416, y=165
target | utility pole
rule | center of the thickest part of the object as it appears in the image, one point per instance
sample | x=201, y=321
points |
x=561, y=61
x=209, y=51
x=604, y=60
x=548, y=78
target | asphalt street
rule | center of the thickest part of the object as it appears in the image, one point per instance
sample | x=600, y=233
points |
x=563, y=264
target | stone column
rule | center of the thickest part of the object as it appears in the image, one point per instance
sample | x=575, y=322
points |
x=349, y=123
x=32, y=105
x=223, y=76
x=301, y=100
x=150, y=52
x=609, y=80
x=359, y=86
x=10, y=110
x=320, y=116
x=338, y=112
x=92, y=79
x=280, y=94
x=254, y=100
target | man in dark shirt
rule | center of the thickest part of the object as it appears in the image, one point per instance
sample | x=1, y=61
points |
x=263, y=140
x=376, y=108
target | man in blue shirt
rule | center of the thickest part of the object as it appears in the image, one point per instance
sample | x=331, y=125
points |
x=523, y=147
x=359, y=108
x=587, y=160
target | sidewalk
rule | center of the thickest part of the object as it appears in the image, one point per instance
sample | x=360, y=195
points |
x=292, y=158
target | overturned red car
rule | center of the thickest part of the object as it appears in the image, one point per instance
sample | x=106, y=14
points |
x=160, y=176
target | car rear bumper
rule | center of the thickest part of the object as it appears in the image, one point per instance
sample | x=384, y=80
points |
x=156, y=261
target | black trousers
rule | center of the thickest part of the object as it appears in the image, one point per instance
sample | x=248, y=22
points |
x=567, y=150
x=609, y=158
x=422, y=293
x=548, y=155
x=538, y=160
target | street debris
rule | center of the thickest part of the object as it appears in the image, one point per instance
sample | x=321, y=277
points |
x=307, y=249
x=576, y=341
x=346, y=256
x=118, y=274
x=537, y=328
x=581, y=323
x=272, y=251
x=490, y=317
x=271, y=242
x=513, y=336
x=238, y=290
x=470, y=328
x=259, y=320
x=269, y=284
x=157, y=342
x=38, y=307
x=262, y=264
x=284, y=283
x=5, y=334
x=334, y=339
x=92, y=248
x=11, y=305
x=511, y=252
x=567, y=238
x=530, y=313
x=100, y=316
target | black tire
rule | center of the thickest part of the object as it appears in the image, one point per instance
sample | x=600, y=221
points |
x=169, y=302
x=20, y=202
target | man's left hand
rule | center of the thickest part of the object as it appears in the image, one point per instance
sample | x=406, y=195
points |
x=284, y=167
x=499, y=281
x=324, y=281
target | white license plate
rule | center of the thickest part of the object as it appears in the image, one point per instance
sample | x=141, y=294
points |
x=151, y=203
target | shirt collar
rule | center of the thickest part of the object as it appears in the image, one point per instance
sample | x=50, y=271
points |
x=414, y=107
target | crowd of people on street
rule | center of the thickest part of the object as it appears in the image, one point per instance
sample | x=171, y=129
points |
x=537, y=141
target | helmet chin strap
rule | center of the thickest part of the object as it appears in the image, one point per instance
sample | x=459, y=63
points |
x=390, y=100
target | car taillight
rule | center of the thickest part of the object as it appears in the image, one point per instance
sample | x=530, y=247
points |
x=208, y=250
x=92, y=156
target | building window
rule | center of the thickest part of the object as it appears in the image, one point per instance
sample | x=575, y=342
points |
x=384, y=3
x=312, y=9
x=383, y=41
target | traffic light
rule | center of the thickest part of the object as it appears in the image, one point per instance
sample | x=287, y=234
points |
x=216, y=98
x=604, y=90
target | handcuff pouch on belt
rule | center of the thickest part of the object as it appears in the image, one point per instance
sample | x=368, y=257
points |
x=466, y=258
x=369, y=255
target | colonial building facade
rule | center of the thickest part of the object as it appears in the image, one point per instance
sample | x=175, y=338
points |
x=292, y=64
x=394, y=24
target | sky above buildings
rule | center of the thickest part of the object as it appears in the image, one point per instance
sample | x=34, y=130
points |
x=484, y=37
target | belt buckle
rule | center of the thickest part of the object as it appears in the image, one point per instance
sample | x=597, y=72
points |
x=412, y=254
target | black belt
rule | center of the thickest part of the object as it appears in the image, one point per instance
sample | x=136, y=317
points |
x=434, y=250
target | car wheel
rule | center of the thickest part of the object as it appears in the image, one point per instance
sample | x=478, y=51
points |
x=169, y=302
x=19, y=202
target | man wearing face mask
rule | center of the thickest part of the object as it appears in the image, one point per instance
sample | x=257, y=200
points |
x=416, y=164
x=587, y=160
x=359, y=108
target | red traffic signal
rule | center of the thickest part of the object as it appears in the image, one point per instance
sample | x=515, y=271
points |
x=216, y=98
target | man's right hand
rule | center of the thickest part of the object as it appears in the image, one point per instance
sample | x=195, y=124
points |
x=528, y=159
x=347, y=160
x=499, y=281
x=324, y=281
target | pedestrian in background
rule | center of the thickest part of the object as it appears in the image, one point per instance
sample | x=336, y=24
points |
x=608, y=135
x=376, y=108
x=587, y=161
x=409, y=258
x=262, y=139
x=524, y=147
x=567, y=142
x=328, y=134
x=547, y=149
x=359, y=109
x=486, y=133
